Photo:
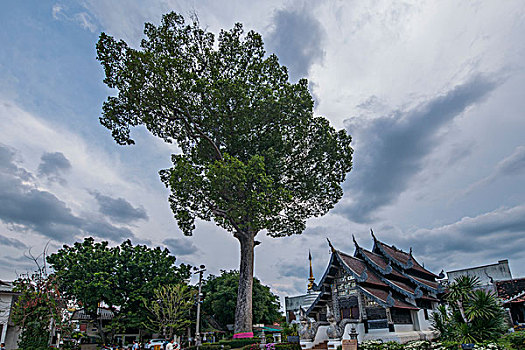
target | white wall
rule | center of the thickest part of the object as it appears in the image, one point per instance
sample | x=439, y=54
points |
x=321, y=335
x=424, y=324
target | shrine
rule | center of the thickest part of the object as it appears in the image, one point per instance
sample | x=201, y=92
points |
x=383, y=293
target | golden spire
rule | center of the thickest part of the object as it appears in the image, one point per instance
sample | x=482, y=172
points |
x=311, y=279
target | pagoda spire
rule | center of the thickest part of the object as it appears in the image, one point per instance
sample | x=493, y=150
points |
x=311, y=279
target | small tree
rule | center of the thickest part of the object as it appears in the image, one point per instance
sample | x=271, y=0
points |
x=254, y=157
x=40, y=307
x=473, y=315
x=169, y=309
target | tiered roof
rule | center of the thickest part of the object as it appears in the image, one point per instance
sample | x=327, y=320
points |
x=387, y=275
x=512, y=291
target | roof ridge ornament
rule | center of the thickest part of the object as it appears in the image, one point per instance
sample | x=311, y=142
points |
x=355, y=242
x=331, y=246
x=372, y=233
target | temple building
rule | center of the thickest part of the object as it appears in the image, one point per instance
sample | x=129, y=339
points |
x=383, y=293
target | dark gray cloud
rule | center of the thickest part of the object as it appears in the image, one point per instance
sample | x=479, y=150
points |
x=53, y=165
x=390, y=150
x=297, y=38
x=26, y=208
x=104, y=229
x=293, y=270
x=497, y=234
x=119, y=209
x=180, y=246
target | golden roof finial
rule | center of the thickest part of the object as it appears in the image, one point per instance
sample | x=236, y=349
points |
x=311, y=279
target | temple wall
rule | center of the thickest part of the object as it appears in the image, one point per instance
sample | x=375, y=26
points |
x=321, y=335
x=424, y=324
x=404, y=327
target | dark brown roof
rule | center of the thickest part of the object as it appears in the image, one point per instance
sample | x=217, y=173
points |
x=403, y=286
x=404, y=258
x=431, y=284
x=380, y=261
x=510, y=288
x=382, y=295
x=358, y=266
x=428, y=297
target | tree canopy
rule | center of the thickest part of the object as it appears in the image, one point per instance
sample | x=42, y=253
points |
x=254, y=156
x=91, y=272
x=220, y=296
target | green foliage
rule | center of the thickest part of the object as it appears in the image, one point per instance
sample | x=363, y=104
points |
x=220, y=296
x=515, y=340
x=169, y=309
x=38, y=307
x=474, y=315
x=289, y=329
x=91, y=272
x=235, y=116
x=254, y=346
x=287, y=346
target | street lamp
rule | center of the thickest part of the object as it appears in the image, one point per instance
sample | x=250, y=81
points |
x=200, y=270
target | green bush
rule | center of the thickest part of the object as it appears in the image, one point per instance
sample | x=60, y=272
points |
x=254, y=346
x=393, y=345
x=287, y=346
x=238, y=343
x=516, y=340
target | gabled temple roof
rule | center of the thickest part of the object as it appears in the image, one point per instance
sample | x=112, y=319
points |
x=359, y=267
x=380, y=276
x=386, y=299
x=401, y=258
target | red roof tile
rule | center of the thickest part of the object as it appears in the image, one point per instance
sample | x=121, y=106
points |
x=509, y=288
x=404, y=257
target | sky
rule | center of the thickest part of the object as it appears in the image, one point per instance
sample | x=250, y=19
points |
x=432, y=93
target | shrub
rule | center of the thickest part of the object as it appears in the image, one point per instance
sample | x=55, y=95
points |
x=287, y=346
x=516, y=340
x=371, y=345
x=393, y=345
x=239, y=343
x=251, y=347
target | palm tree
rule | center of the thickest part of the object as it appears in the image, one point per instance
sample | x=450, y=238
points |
x=461, y=290
x=474, y=314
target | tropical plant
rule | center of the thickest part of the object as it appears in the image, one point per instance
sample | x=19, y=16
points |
x=472, y=316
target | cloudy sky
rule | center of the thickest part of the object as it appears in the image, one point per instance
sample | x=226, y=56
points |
x=432, y=93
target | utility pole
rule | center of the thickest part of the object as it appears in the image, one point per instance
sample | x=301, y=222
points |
x=200, y=271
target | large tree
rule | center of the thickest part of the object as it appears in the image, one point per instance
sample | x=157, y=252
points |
x=254, y=157
x=122, y=277
x=220, y=295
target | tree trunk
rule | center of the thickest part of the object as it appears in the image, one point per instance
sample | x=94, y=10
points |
x=243, y=311
x=462, y=311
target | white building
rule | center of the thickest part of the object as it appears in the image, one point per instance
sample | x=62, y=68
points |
x=8, y=331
